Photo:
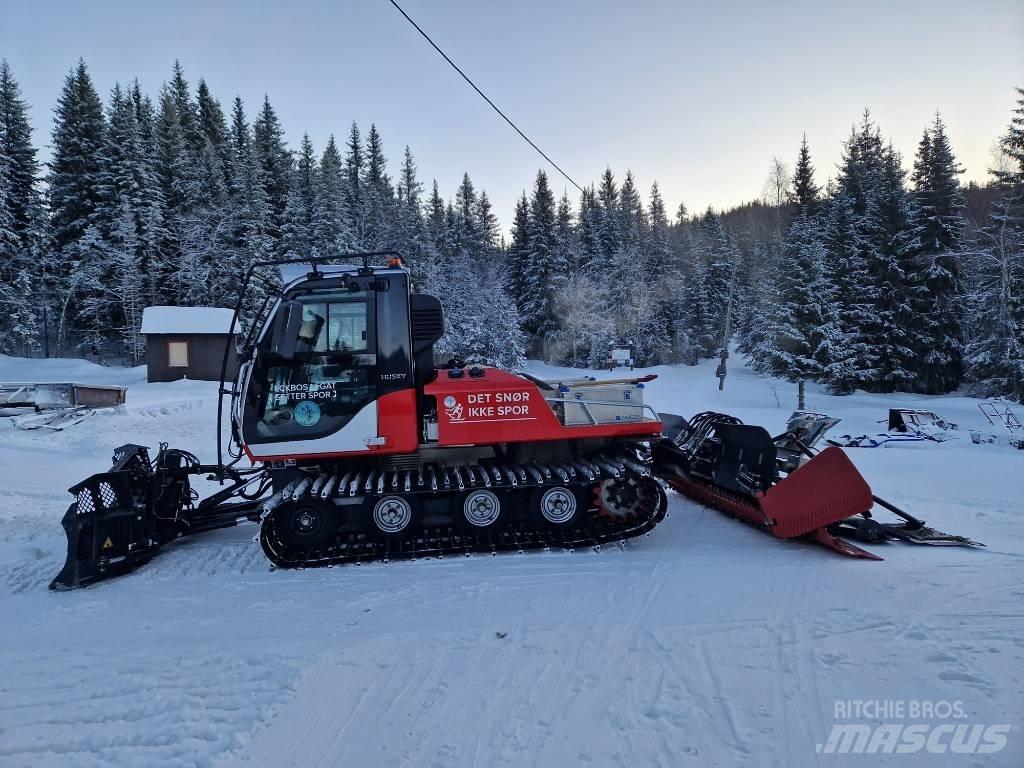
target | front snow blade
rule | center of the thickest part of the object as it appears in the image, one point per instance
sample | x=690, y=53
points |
x=109, y=529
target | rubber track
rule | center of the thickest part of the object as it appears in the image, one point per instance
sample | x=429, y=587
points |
x=594, y=532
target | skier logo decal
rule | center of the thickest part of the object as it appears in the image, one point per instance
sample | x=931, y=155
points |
x=453, y=409
x=307, y=413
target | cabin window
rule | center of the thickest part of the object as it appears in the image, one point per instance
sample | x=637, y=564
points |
x=177, y=354
x=329, y=378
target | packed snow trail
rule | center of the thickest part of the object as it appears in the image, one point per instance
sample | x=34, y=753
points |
x=706, y=644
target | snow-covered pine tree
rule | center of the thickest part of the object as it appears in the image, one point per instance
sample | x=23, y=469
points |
x=22, y=241
x=589, y=228
x=518, y=252
x=664, y=325
x=543, y=275
x=467, y=231
x=379, y=196
x=805, y=194
x=213, y=128
x=240, y=132
x=584, y=326
x=938, y=226
x=856, y=241
x=152, y=223
x=487, y=224
x=841, y=232
x=895, y=323
x=633, y=225
x=73, y=184
x=717, y=258
x=252, y=238
x=175, y=172
x=329, y=235
x=409, y=230
x=300, y=205
x=275, y=163
x=492, y=332
x=74, y=193
x=756, y=317
x=125, y=282
x=354, y=196
x=995, y=354
x=131, y=216
x=611, y=221
x=185, y=109
x=803, y=326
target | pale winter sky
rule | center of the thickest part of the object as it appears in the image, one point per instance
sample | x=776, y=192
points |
x=699, y=96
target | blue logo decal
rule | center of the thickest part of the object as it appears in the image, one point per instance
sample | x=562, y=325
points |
x=307, y=413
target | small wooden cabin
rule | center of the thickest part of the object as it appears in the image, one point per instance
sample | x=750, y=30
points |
x=188, y=343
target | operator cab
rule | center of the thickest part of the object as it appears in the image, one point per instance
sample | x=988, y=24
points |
x=332, y=369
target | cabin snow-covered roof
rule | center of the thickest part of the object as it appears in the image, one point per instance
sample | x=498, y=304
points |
x=186, y=320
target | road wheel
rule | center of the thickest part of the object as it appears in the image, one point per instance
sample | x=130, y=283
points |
x=482, y=509
x=393, y=516
x=558, y=507
x=306, y=525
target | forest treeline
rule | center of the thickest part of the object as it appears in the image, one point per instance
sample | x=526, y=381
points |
x=889, y=276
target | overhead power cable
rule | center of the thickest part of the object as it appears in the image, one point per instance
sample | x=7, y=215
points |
x=484, y=96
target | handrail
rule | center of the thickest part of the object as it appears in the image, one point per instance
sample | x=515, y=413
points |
x=586, y=403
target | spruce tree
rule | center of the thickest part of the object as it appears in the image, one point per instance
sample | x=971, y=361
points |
x=275, y=162
x=938, y=225
x=411, y=237
x=22, y=238
x=611, y=221
x=329, y=236
x=354, y=197
x=131, y=215
x=185, y=109
x=298, y=222
x=541, y=272
x=379, y=196
x=73, y=184
x=74, y=190
x=995, y=355
x=841, y=234
x=806, y=193
x=895, y=323
x=856, y=240
x=518, y=251
x=804, y=324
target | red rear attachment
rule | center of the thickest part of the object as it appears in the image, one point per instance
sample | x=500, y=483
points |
x=825, y=490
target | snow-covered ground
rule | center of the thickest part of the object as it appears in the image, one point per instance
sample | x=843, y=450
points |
x=706, y=644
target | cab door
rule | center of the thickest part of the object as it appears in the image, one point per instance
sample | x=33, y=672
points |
x=313, y=386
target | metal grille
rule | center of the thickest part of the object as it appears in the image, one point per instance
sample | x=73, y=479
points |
x=85, y=502
x=107, y=496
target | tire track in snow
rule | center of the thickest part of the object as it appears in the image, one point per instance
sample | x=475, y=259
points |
x=171, y=711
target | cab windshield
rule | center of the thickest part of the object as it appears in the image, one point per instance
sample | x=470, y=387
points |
x=316, y=381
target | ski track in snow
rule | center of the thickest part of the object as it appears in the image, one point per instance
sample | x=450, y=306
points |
x=704, y=644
